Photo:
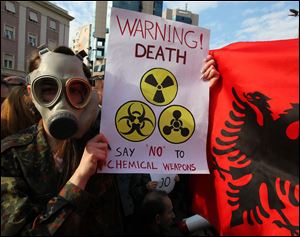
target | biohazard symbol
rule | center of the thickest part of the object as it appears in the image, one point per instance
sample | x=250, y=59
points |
x=159, y=86
x=135, y=121
x=176, y=124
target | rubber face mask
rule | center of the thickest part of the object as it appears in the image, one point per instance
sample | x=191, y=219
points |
x=63, y=96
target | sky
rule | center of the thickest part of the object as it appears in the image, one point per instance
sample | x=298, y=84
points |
x=228, y=21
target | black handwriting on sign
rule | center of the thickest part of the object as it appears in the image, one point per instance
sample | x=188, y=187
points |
x=165, y=182
x=127, y=152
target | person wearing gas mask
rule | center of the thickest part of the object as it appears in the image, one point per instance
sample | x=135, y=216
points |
x=49, y=184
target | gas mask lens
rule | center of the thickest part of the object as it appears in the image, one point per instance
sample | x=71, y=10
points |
x=78, y=92
x=46, y=90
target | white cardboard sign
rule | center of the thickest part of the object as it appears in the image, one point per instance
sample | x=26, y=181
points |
x=155, y=106
x=165, y=182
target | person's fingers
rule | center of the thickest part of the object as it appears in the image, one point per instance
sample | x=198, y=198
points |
x=95, y=153
x=212, y=73
x=101, y=145
x=213, y=81
x=100, y=154
x=207, y=65
x=99, y=138
x=152, y=184
x=98, y=142
x=96, y=149
x=208, y=57
x=101, y=164
x=149, y=185
x=207, y=73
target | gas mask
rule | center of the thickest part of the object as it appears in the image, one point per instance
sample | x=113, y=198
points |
x=63, y=96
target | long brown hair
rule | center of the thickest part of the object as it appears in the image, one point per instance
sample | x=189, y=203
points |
x=17, y=112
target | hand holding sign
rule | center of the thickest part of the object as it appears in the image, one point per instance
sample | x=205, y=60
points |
x=151, y=185
x=165, y=182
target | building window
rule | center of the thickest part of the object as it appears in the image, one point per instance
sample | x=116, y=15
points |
x=129, y=5
x=52, y=25
x=52, y=44
x=33, y=17
x=8, y=61
x=10, y=7
x=99, y=53
x=9, y=32
x=32, y=40
x=184, y=19
x=100, y=43
x=157, y=8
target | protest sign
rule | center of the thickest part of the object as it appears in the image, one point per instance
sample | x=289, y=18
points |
x=155, y=106
x=165, y=182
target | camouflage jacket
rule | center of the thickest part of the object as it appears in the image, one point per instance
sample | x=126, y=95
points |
x=31, y=203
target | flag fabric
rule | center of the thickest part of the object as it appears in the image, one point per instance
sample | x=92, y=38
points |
x=253, y=141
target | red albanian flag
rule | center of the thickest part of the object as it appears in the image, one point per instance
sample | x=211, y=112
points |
x=253, y=143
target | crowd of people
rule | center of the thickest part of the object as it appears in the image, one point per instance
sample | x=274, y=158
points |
x=51, y=149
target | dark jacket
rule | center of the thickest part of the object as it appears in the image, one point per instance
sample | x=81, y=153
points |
x=138, y=189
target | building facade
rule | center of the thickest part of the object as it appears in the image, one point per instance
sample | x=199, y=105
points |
x=82, y=39
x=184, y=16
x=102, y=22
x=25, y=25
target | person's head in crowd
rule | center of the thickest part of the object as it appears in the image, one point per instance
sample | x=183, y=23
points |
x=157, y=212
x=60, y=90
x=17, y=112
x=8, y=83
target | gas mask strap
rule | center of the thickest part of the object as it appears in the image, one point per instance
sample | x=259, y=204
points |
x=81, y=55
x=43, y=49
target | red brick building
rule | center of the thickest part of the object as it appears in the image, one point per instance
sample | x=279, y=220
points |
x=26, y=25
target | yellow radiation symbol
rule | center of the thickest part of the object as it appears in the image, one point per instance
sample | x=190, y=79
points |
x=135, y=121
x=159, y=86
x=176, y=124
